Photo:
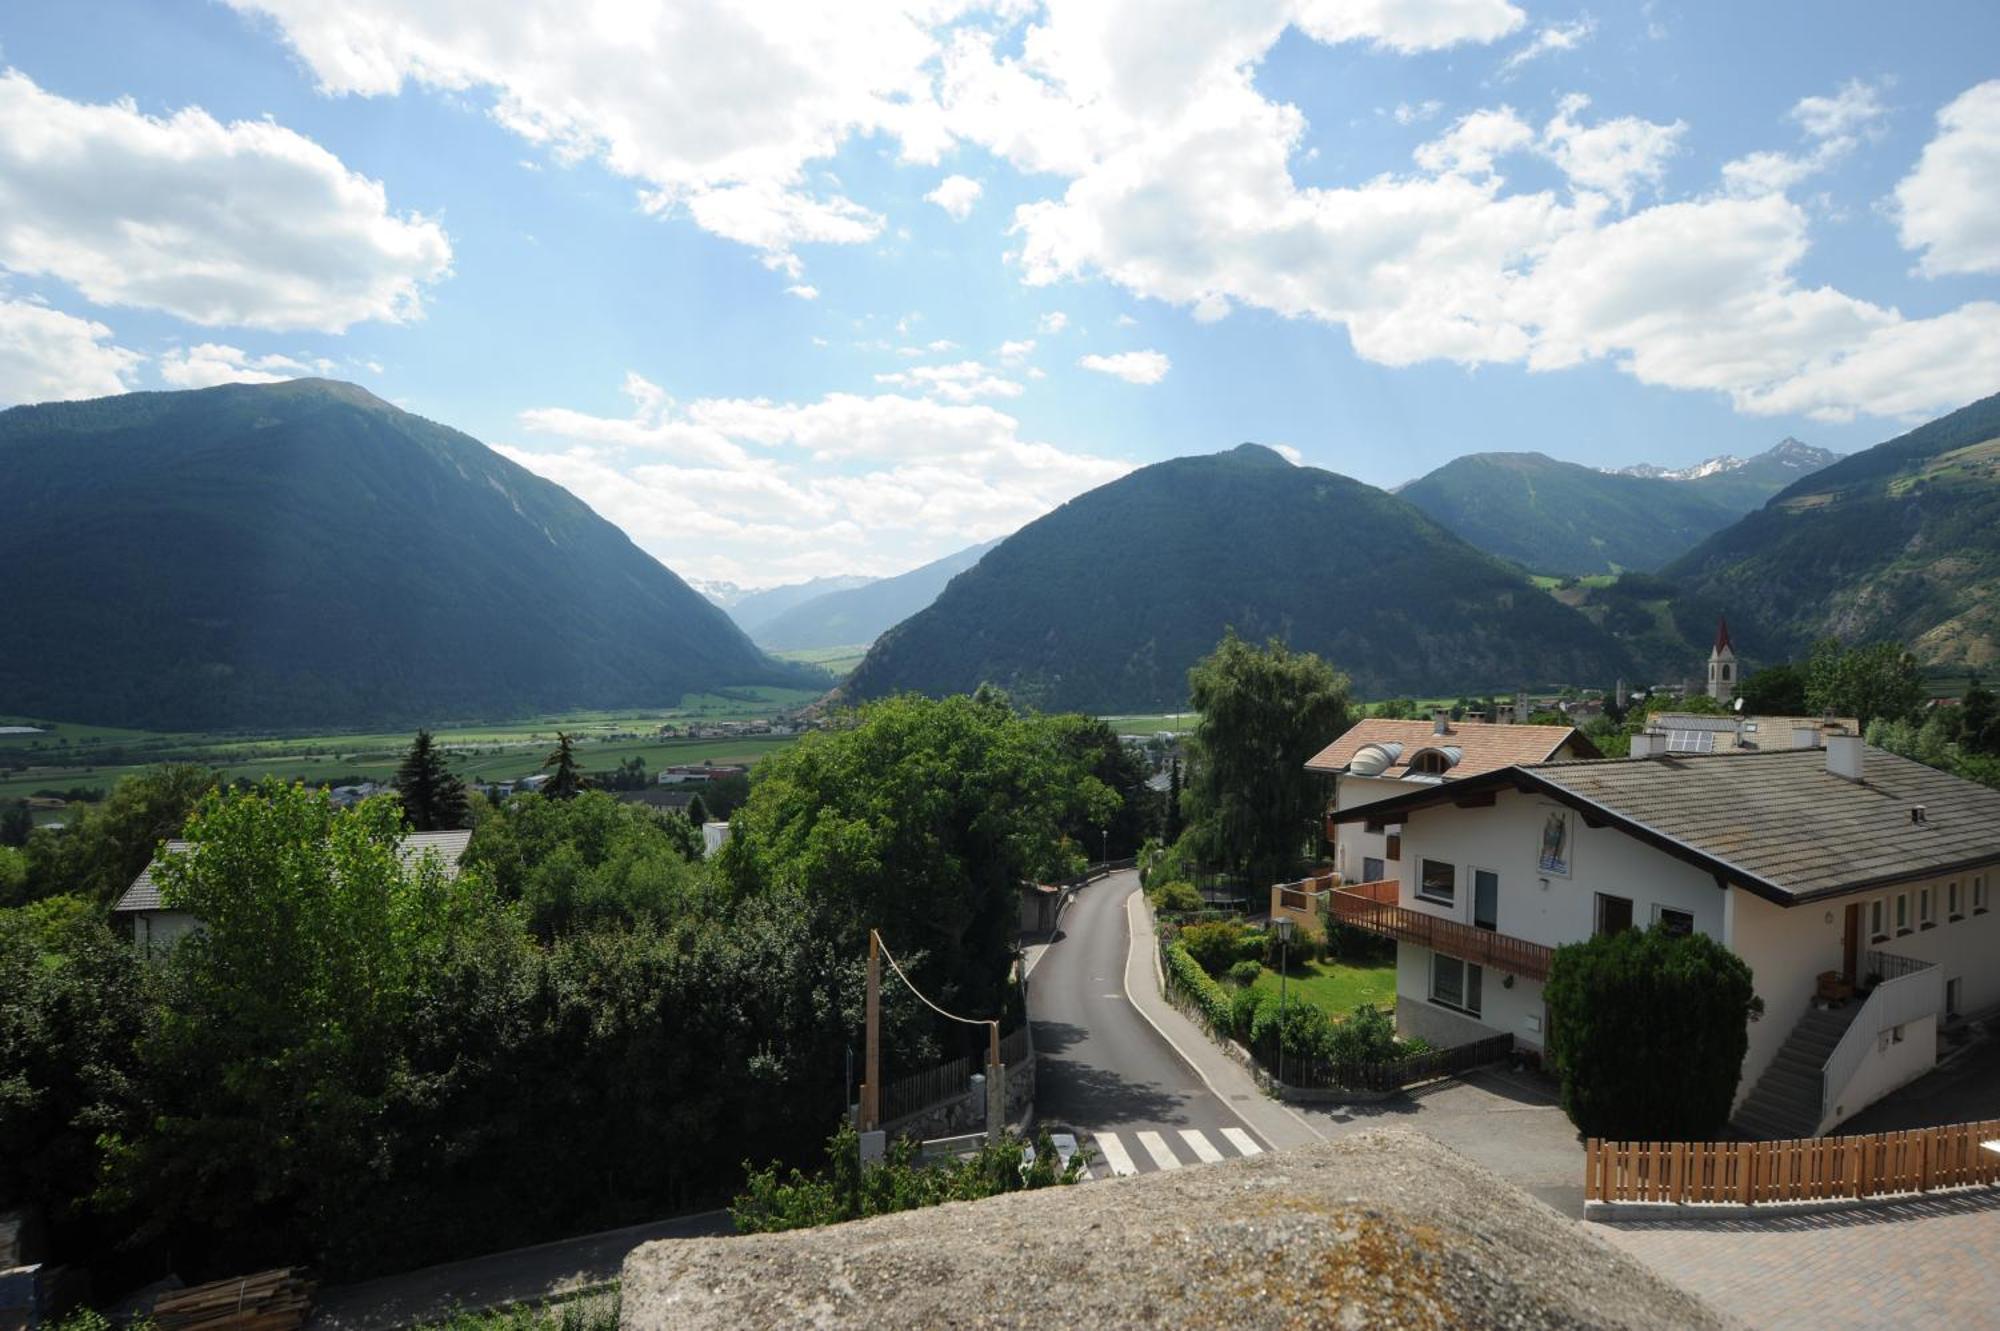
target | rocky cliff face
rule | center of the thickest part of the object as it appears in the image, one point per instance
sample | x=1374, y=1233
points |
x=1380, y=1229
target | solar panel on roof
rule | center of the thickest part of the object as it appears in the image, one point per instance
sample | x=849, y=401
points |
x=1691, y=741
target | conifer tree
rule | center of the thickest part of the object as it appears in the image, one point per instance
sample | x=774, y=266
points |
x=433, y=798
x=567, y=779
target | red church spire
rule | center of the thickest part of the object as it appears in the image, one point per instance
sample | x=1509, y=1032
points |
x=1722, y=634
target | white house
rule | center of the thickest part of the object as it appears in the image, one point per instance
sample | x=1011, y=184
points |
x=1857, y=885
x=155, y=927
x=1377, y=759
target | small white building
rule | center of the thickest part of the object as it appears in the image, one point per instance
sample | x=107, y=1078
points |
x=155, y=927
x=1377, y=759
x=1857, y=885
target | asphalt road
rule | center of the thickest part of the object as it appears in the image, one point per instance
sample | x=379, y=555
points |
x=1101, y=1067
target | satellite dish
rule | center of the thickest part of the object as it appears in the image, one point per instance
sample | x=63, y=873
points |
x=1738, y=704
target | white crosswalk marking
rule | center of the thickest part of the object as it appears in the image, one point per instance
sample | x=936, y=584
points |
x=1203, y=1149
x=1243, y=1141
x=1114, y=1154
x=1156, y=1146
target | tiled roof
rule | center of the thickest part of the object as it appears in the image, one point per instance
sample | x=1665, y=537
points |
x=144, y=894
x=1483, y=746
x=1779, y=823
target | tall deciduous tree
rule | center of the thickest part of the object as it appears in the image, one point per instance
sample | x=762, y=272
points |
x=1264, y=712
x=1878, y=682
x=104, y=848
x=566, y=779
x=433, y=798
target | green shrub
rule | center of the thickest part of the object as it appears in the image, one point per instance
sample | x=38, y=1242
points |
x=1245, y=972
x=847, y=1190
x=1306, y=1032
x=1624, y=1006
x=1244, y=1005
x=1216, y=947
x=1368, y=1036
x=1176, y=896
x=1210, y=999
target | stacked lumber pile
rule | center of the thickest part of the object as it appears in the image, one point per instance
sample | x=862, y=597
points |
x=268, y=1301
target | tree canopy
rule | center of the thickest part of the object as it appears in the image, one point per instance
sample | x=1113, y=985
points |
x=433, y=798
x=1880, y=681
x=1264, y=711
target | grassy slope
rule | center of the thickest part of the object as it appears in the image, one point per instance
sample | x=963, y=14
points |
x=1335, y=987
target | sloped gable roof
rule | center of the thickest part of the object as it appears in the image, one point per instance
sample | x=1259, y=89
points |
x=1483, y=746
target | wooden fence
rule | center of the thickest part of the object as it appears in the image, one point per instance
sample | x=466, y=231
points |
x=1812, y=1169
x=933, y=1086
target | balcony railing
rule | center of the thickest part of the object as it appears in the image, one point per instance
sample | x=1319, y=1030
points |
x=1372, y=906
x=1910, y=989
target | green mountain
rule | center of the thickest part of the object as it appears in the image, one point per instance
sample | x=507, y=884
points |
x=1561, y=518
x=1105, y=603
x=304, y=555
x=856, y=616
x=1899, y=541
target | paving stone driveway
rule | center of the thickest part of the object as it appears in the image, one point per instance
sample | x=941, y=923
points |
x=1928, y=1262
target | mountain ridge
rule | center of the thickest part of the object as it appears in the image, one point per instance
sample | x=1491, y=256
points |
x=856, y=616
x=303, y=554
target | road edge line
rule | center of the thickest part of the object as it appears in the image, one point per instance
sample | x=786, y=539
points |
x=1125, y=982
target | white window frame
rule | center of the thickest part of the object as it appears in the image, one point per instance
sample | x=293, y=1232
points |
x=1661, y=912
x=1423, y=894
x=1878, y=920
x=1471, y=985
x=1979, y=894
x=1597, y=911
x=1903, y=925
x=1926, y=908
x=1953, y=903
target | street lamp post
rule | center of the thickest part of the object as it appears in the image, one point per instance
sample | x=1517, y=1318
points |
x=1284, y=928
x=1105, y=857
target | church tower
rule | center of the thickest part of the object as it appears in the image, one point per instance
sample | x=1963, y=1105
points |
x=1722, y=665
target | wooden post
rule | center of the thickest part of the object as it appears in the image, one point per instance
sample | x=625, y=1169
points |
x=871, y=1085
x=996, y=1084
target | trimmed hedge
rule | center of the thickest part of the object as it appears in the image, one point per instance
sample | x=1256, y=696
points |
x=1210, y=1000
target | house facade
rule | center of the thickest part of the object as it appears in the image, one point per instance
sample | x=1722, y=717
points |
x=1378, y=759
x=1857, y=886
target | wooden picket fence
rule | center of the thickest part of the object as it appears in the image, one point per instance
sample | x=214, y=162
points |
x=1812, y=1169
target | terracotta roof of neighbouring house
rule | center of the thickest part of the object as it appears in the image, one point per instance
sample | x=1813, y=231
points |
x=144, y=894
x=1482, y=745
x=1777, y=824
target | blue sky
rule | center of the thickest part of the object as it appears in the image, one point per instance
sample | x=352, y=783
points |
x=801, y=292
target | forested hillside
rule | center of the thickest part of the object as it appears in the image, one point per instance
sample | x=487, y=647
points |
x=1106, y=602
x=1561, y=518
x=304, y=554
x=1900, y=541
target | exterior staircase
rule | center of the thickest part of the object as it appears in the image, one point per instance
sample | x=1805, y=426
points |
x=1787, y=1100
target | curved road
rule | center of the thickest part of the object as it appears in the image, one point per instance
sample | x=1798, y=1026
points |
x=1101, y=1067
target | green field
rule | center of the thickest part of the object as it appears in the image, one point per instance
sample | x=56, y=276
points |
x=840, y=660
x=1156, y=723
x=67, y=755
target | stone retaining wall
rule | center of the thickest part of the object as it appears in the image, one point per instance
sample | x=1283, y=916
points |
x=967, y=1112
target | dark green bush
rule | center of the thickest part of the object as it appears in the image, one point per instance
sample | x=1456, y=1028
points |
x=1367, y=1036
x=1210, y=999
x=1647, y=1033
x=1245, y=973
x=1177, y=897
x=1305, y=1030
x=1216, y=947
x=1243, y=1007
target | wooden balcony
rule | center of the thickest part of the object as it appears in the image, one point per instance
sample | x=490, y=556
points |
x=1373, y=906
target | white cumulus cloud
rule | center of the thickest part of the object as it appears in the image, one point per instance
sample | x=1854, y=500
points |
x=245, y=224
x=761, y=490
x=48, y=356
x=956, y=195
x=961, y=382
x=1948, y=207
x=212, y=363
x=1134, y=367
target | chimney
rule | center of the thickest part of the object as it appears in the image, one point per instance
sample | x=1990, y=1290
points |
x=1643, y=744
x=1440, y=722
x=1843, y=756
x=1805, y=737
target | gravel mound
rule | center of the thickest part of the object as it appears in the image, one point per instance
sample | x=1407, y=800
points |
x=1382, y=1229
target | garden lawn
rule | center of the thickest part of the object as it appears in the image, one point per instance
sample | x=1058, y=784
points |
x=1336, y=987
